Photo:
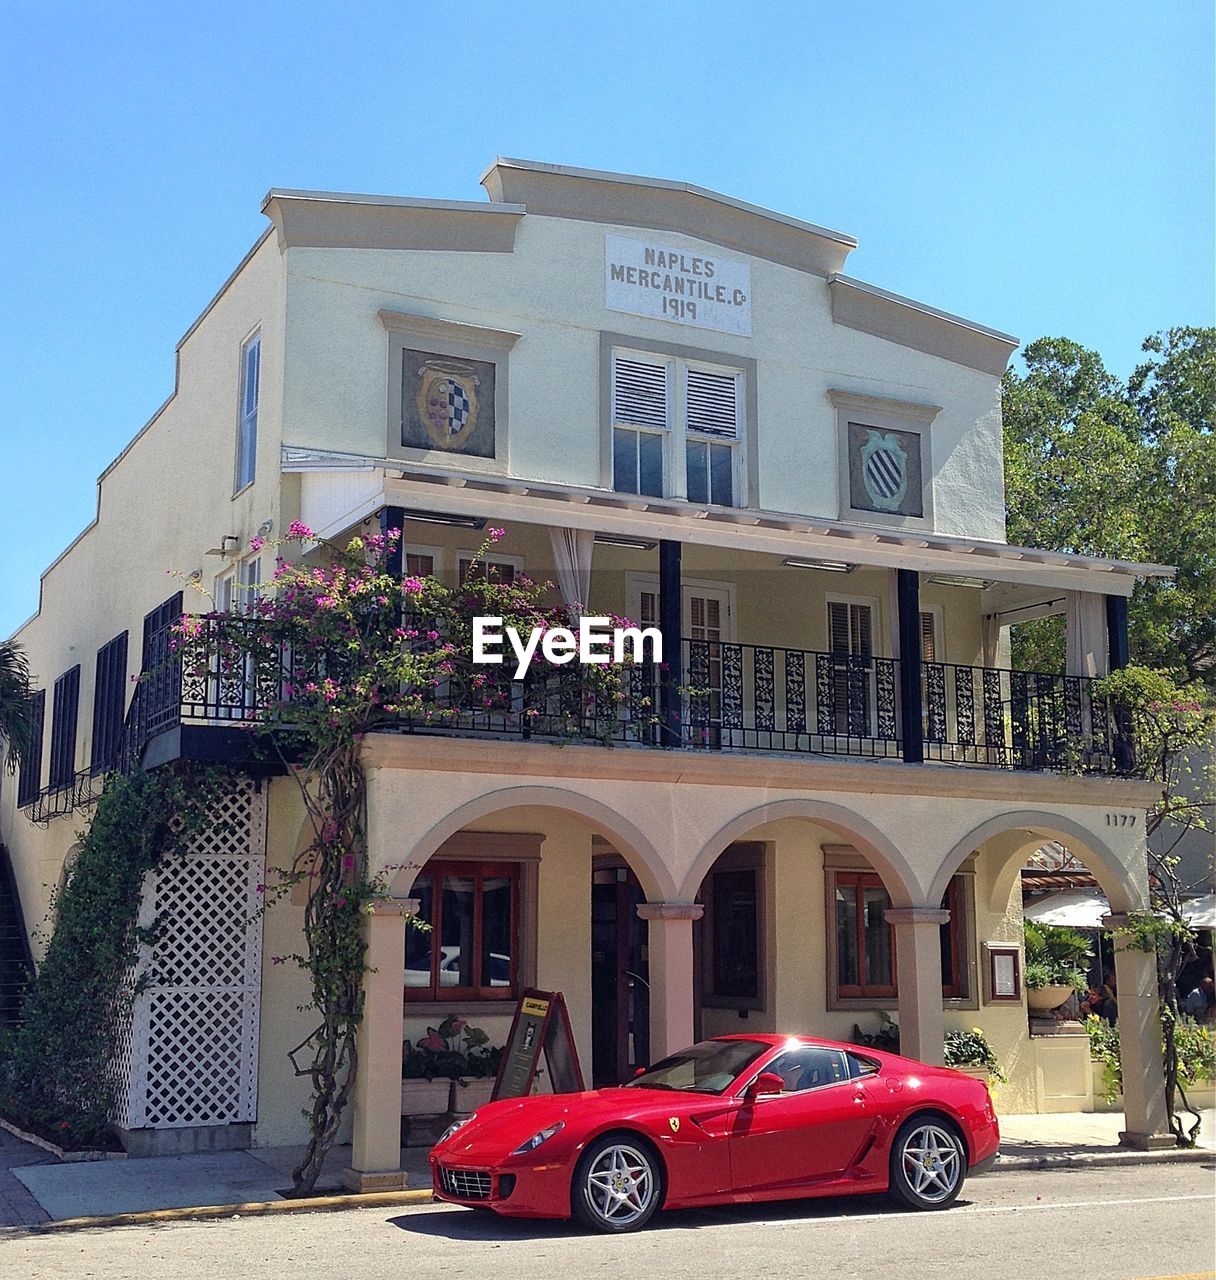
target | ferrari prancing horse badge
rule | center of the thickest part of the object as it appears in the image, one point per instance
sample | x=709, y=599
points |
x=675, y=1124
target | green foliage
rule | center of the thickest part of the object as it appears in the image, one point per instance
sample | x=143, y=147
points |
x=1195, y=1046
x=16, y=724
x=453, y=1051
x=1055, y=956
x=56, y=1075
x=971, y=1049
x=1102, y=468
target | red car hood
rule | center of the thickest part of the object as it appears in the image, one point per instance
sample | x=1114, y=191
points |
x=498, y=1128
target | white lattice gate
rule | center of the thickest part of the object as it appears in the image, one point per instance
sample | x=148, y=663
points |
x=192, y=1055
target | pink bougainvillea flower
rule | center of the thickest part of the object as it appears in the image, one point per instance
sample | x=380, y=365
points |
x=298, y=529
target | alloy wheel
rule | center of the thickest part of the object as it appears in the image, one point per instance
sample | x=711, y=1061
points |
x=932, y=1163
x=620, y=1185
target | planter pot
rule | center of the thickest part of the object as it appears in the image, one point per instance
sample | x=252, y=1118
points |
x=1045, y=999
x=470, y=1096
x=976, y=1073
x=425, y=1097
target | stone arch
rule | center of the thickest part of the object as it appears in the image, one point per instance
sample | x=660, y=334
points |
x=1115, y=879
x=633, y=844
x=886, y=859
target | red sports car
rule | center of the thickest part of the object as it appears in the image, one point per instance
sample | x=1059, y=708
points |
x=729, y=1121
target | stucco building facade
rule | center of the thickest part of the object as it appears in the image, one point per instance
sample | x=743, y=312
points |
x=679, y=408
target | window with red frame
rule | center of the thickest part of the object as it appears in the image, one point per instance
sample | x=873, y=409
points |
x=865, y=943
x=471, y=951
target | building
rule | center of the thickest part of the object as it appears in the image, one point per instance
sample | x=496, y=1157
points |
x=679, y=407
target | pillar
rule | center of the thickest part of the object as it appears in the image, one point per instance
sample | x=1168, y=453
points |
x=918, y=968
x=907, y=589
x=670, y=974
x=376, y=1156
x=394, y=518
x=671, y=624
x=1139, y=1025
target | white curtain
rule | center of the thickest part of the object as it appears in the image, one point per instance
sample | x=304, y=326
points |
x=572, y=556
x=1086, y=634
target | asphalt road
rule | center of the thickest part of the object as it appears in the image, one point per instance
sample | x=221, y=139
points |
x=1113, y=1224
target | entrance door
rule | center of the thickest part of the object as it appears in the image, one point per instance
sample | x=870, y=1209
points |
x=620, y=990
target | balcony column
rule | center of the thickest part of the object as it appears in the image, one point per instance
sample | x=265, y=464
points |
x=1116, y=632
x=907, y=588
x=670, y=969
x=1139, y=1026
x=671, y=624
x=918, y=970
x=376, y=1154
x=394, y=518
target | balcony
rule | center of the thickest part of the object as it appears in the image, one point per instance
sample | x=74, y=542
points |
x=729, y=698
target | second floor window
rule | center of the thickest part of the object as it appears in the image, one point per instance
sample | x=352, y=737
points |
x=64, y=716
x=247, y=428
x=676, y=429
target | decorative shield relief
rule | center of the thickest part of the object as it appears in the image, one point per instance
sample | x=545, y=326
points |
x=447, y=404
x=884, y=470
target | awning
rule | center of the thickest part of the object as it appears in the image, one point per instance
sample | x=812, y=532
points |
x=1075, y=910
x=1080, y=909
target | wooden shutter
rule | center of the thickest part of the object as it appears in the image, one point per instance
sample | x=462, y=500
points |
x=928, y=638
x=850, y=628
x=109, y=702
x=166, y=612
x=639, y=394
x=711, y=404
x=419, y=566
x=30, y=781
x=64, y=715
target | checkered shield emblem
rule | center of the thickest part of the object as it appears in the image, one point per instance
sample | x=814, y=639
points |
x=447, y=405
x=884, y=470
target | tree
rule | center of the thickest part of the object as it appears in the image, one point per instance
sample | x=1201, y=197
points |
x=1099, y=467
x=16, y=722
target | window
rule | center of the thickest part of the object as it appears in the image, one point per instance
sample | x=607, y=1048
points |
x=29, y=783
x=64, y=716
x=929, y=647
x=418, y=565
x=865, y=943
x=503, y=571
x=471, y=950
x=732, y=930
x=676, y=429
x=247, y=428
x=236, y=591
x=810, y=1067
x=109, y=702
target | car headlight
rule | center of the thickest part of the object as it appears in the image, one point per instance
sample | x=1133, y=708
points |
x=451, y=1129
x=537, y=1138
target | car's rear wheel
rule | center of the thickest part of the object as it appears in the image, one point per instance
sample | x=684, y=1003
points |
x=617, y=1185
x=928, y=1164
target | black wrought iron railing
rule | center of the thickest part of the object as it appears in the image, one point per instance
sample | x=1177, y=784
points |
x=729, y=697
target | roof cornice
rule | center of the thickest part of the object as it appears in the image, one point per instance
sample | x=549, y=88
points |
x=659, y=204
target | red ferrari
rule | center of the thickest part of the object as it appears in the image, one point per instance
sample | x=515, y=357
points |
x=733, y=1120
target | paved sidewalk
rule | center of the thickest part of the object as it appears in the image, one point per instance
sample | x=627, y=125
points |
x=35, y=1186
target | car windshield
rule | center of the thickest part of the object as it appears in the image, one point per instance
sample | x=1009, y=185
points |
x=711, y=1066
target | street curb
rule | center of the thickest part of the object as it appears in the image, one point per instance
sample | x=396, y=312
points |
x=1101, y=1160
x=254, y=1209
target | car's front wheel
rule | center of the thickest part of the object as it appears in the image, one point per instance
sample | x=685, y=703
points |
x=617, y=1185
x=928, y=1164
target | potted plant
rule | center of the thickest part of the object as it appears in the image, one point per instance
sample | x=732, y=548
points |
x=451, y=1068
x=970, y=1053
x=475, y=1083
x=1055, y=965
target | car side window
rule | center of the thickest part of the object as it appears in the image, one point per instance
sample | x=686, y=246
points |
x=809, y=1067
x=859, y=1066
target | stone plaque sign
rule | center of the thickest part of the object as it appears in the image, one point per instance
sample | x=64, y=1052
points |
x=649, y=278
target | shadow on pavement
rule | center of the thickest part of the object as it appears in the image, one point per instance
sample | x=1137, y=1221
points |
x=483, y=1224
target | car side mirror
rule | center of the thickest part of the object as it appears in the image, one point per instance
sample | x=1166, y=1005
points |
x=641, y=1071
x=767, y=1082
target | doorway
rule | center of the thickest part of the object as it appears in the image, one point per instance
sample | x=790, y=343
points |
x=620, y=987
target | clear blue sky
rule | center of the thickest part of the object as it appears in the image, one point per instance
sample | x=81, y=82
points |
x=1045, y=168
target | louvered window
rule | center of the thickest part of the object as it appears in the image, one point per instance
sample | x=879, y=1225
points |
x=109, y=701
x=662, y=409
x=928, y=638
x=29, y=782
x=64, y=710
x=711, y=418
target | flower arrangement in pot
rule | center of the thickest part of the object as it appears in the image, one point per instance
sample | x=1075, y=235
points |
x=1055, y=964
x=439, y=1068
x=970, y=1052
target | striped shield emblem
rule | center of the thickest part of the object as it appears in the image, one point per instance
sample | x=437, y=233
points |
x=884, y=470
